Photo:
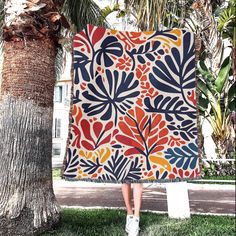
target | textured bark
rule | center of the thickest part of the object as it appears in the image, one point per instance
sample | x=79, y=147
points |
x=28, y=71
x=211, y=39
x=27, y=201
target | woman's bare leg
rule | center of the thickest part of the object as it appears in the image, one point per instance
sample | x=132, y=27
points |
x=126, y=191
x=137, y=190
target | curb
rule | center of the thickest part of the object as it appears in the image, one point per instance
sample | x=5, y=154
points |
x=191, y=186
x=149, y=211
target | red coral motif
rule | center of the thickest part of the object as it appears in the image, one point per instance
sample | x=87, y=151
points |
x=175, y=141
x=96, y=134
x=192, y=97
x=97, y=34
x=146, y=88
x=77, y=115
x=144, y=134
x=130, y=39
x=180, y=173
x=124, y=63
x=142, y=70
x=82, y=40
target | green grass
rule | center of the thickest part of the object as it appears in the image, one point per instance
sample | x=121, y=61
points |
x=56, y=173
x=214, y=178
x=227, y=177
x=111, y=223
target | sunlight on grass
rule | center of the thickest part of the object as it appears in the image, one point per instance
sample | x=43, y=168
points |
x=56, y=173
x=111, y=222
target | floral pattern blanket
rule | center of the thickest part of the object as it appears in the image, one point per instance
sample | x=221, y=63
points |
x=133, y=110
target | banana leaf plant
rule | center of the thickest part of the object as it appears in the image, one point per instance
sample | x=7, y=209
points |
x=217, y=99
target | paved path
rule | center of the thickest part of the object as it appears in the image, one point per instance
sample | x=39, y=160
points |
x=214, y=199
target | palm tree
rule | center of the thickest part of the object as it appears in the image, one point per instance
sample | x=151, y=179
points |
x=227, y=28
x=158, y=14
x=202, y=21
x=31, y=35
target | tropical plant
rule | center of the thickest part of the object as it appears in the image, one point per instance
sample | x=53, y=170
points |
x=219, y=169
x=217, y=101
x=159, y=14
x=32, y=32
x=227, y=28
x=113, y=8
x=227, y=20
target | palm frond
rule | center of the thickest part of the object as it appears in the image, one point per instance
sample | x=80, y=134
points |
x=159, y=14
x=80, y=13
x=110, y=9
x=227, y=20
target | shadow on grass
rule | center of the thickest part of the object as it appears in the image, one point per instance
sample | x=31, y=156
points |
x=105, y=222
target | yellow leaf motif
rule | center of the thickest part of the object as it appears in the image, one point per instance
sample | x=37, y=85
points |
x=113, y=31
x=104, y=154
x=167, y=41
x=86, y=154
x=159, y=160
x=148, y=32
x=81, y=174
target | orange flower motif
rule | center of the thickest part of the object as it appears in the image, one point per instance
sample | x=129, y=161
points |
x=144, y=134
x=175, y=141
x=147, y=89
x=142, y=70
x=180, y=173
x=149, y=175
x=124, y=63
x=131, y=39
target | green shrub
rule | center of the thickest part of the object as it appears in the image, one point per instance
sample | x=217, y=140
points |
x=220, y=169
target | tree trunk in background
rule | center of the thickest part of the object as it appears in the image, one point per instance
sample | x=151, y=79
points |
x=27, y=202
x=211, y=39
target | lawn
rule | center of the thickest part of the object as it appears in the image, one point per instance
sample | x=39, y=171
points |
x=111, y=222
x=226, y=177
x=56, y=173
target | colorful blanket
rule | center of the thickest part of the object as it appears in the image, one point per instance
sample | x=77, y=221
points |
x=133, y=114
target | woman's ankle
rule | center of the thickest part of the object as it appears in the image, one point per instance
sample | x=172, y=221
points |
x=130, y=213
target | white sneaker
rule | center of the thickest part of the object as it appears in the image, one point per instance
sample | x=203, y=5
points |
x=134, y=229
x=129, y=219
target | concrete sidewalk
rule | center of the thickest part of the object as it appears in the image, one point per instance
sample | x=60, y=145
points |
x=204, y=198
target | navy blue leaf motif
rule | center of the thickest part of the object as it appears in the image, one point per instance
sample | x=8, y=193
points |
x=171, y=107
x=183, y=157
x=72, y=162
x=75, y=97
x=89, y=166
x=187, y=129
x=144, y=52
x=176, y=72
x=80, y=62
x=110, y=96
x=121, y=168
x=161, y=176
x=109, y=47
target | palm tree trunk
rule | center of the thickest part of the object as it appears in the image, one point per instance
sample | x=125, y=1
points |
x=27, y=202
x=210, y=36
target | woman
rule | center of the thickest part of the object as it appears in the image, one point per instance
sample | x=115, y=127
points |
x=132, y=218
